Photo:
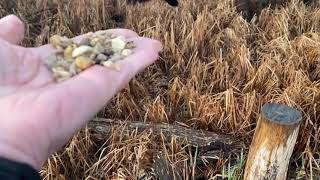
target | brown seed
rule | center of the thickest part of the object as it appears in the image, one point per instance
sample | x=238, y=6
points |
x=83, y=62
x=108, y=49
x=130, y=45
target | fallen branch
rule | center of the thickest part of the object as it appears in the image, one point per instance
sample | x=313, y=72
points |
x=205, y=141
x=208, y=146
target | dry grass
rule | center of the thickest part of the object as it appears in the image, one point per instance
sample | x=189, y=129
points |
x=214, y=74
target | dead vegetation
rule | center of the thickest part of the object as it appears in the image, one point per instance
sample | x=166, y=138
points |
x=216, y=71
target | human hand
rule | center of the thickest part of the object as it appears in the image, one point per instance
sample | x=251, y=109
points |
x=39, y=115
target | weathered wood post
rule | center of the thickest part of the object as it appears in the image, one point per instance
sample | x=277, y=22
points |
x=273, y=142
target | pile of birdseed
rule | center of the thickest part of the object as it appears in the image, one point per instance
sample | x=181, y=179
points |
x=100, y=48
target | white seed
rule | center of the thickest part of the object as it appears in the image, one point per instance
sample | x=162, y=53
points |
x=126, y=52
x=93, y=56
x=63, y=64
x=99, y=48
x=102, y=57
x=60, y=72
x=107, y=64
x=111, y=65
x=118, y=43
x=94, y=41
x=82, y=50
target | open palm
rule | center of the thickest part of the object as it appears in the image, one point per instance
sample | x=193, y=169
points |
x=39, y=115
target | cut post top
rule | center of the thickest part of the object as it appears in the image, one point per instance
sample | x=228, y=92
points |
x=281, y=114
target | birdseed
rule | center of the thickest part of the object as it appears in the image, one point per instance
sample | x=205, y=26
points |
x=71, y=58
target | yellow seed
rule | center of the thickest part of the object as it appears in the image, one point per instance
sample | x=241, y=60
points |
x=83, y=62
x=55, y=40
x=68, y=53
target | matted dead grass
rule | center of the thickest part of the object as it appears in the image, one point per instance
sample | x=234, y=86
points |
x=214, y=74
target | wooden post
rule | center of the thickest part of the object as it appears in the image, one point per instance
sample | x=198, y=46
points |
x=273, y=143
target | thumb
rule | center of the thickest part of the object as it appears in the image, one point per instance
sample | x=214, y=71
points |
x=12, y=29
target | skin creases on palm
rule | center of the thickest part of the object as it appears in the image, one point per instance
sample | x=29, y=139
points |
x=20, y=68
